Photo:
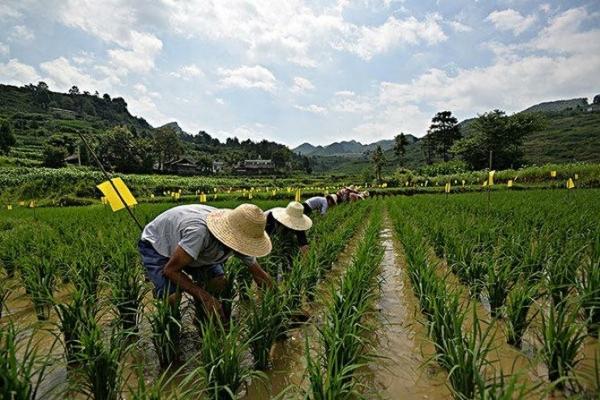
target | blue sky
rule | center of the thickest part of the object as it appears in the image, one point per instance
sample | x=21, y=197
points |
x=304, y=70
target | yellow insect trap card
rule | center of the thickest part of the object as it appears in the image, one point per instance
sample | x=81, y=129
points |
x=113, y=198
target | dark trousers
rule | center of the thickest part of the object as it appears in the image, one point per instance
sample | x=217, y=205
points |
x=307, y=209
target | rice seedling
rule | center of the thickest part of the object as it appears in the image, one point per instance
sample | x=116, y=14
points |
x=588, y=288
x=127, y=288
x=167, y=386
x=264, y=324
x=85, y=274
x=38, y=277
x=4, y=292
x=73, y=319
x=502, y=387
x=561, y=274
x=561, y=337
x=465, y=358
x=21, y=369
x=166, y=330
x=100, y=361
x=516, y=311
x=498, y=282
x=222, y=353
x=445, y=324
x=9, y=255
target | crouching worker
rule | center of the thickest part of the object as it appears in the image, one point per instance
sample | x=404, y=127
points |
x=319, y=203
x=287, y=227
x=185, y=248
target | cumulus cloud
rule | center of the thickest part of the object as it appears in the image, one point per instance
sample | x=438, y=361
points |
x=511, y=20
x=21, y=33
x=301, y=85
x=344, y=93
x=312, y=108
x=458, y=26
x=61, y=75
x=139, y=55
x=187, y=72
x=245, y=77
x=14, y=72
x=4, y=49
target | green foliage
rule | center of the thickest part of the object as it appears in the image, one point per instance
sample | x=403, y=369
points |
x=166, y=330
x=378, y=161
x=499, y=134
x=54, y=156
x=442, y=133
x=121, y=151
x=7, y=139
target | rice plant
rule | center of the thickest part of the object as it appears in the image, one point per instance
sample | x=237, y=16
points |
x=498, y=282
x=85, y=273
x=21, y=369
x=588, y=287
x=516, y=311
x=166, y=330
x=167, y=385
x=4, y=292
x=127, y=288
x=561, y=337
x=38, y=276
x=265, y=321
x=222, y=353
x=100, y=362
x=561, y=274
x=73, y=318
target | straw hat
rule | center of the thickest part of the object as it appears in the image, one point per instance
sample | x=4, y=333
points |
x=292, y=216
x=241, y=229
x=334, y=197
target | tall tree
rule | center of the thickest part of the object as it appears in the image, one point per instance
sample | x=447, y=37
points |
x=500, y=134
x=400, y=143
x=41, y=95
x=444, y=132
x=7, y=139
x=119, y=150
x=378, y=159
x=167, y=145
x=74, y=91
x=428, y=148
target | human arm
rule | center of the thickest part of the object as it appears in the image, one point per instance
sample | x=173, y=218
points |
x=259, y=275
x=174, y=272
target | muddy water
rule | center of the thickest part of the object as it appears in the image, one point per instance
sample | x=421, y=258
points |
x=403, y=371
x=288, y=357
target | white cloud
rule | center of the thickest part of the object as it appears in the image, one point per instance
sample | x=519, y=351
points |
x=246, y=77
x=61, y=75
x=545, y=7
x=139, y=55
x=143, y=90
x=458, y=26
x=353, y=105
x=14, y=72
x=21, y=33
x=145, y=107
x=188, y=72
x=345, y=93
x=8, y=11
x=220, y=101
x=511, y=20
x=367, y=42
x=4, y=49
x=301, y=85
x=312, y=108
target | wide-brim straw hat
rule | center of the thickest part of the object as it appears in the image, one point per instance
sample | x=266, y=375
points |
x=241, y=229
x=292, y=217
x=334, y=197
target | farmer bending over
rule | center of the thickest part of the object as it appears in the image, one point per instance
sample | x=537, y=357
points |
x=319, y=203
x=188, y=245
x=343, y=195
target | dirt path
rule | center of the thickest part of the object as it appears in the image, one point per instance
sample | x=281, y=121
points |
x=403, y=372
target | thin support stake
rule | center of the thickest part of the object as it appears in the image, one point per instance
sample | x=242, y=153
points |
x=89, y=149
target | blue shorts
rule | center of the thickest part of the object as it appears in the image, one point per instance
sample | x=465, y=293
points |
x=154, y=264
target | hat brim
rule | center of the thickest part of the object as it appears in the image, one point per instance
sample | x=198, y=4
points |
x=222, y=228
x=303, y=223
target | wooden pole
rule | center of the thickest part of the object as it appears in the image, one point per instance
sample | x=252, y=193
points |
x=89, y=149
x=488, y=185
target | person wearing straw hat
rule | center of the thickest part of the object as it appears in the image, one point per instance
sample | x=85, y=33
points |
x=287, y=228
x=343, y=195
x=185, y=248
x=319, y=203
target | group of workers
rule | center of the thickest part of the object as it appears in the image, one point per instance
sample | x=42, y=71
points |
x=185, y=248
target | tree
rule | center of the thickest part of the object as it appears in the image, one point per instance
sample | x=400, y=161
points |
x=54, y=156
x=119, y=150
x=400, y=143
x=7, y=139
x=378, y=159
x=596, y=99
x=500, y=134
x=41, y=95
x=167, y=145
x=444, y=132
x=428, y=147
x=74, y=91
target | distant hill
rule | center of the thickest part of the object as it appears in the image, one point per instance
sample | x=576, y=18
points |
x=559, y=105
x=350, y=148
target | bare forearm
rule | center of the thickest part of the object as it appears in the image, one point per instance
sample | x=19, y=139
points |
x=184, y=282
x=260, y=276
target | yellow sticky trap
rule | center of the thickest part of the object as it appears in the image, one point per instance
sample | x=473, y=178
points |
x=298, y=196
x=576, y=176
x=273, y=193
x=384, y=185
x=151, y=195
x=113, y=198
x=215, y=196
x=491, y=177
x=570, y=184
x=215, y=190
x=250, y=195
x=447, y=187
x=510, y=183
x=485, y=183
x=32, y=204
x=21, y=203
x=553, y=174
x=463, y=183
x=9, y=207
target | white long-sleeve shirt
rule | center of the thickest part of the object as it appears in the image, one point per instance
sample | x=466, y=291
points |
x=318, y=203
